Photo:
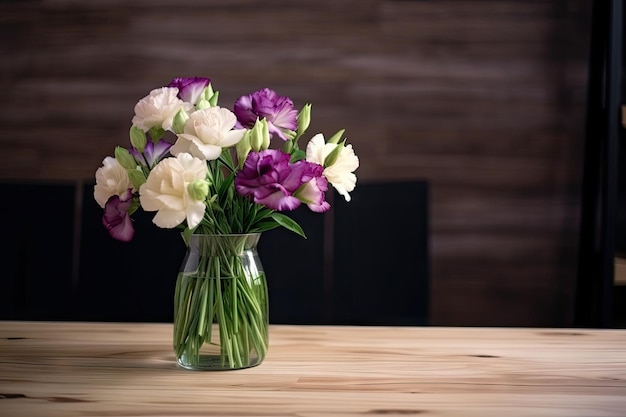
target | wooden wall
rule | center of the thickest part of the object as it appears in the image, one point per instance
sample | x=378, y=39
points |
x=484, y=99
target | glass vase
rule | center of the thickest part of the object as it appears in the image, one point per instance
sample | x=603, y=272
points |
x=221, y=304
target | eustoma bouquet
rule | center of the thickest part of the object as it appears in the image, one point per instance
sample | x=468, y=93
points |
x=210, y=170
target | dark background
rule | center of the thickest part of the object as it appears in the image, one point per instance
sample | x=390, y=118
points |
x=480, y=103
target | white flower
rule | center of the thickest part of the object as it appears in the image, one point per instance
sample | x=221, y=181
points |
x=206, y=132
x=340, y=174
x=111, y=179
x=158, y=109
x=166, y=191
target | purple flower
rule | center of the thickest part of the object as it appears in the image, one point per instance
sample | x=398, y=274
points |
x=189, y=88
x=313, y=190
x=116, y=218
x=268, y=178
x=265, y=103
x=152, y=153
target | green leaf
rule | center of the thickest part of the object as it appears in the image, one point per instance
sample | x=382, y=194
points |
x=134, y=206
x=137, y=177
x=226, y=185
x=265, y=226
x=261, y=214
x=288, y=223
x=297, y=155
x=187, y=235
x=156, y=133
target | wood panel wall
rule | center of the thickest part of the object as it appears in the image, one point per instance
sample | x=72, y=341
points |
x=484, y=99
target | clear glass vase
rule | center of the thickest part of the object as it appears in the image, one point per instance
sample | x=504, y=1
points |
x=221, y=304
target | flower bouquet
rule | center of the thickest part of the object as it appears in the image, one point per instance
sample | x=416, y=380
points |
x=212, y=172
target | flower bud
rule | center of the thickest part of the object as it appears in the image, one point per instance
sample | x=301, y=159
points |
x=290, y=134
x=304, y=119
x=124, y=158
x=213, y=98
x=243, y=148
x=336, y=137
x=179, y=121
x=288, y=147
x=198, y=189
x=260, y=135
x=266, y=135
x=203, y=104
x=331, y=158
x=138, y=138
x=207, y=93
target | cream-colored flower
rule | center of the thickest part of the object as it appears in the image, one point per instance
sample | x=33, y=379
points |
x=158, y=109
x=340, y=174
x=111, y=179
x=206, y=132
x=167, y=191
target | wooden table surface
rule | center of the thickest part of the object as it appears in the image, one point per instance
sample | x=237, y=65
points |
x=52, y=369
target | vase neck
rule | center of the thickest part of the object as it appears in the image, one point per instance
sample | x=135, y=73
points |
x=221, y=244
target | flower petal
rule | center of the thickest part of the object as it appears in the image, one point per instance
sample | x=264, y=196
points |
x=267, y=104
x=168, y=219
x=189, y=88
x=116, y=218
x=166, y=190
x=279, y=202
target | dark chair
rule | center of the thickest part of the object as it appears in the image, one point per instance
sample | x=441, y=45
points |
x=381, y=255
x=603, y=197
x=294, y=267
x=126, y=281
x=364, y=262
x=38, y=252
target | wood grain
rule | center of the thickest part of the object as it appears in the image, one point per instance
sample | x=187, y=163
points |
x=105, y=369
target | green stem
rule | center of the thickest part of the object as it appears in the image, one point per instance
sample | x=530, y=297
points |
x=223, y=291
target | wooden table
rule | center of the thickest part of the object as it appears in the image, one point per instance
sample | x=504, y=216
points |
x=88, y=369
